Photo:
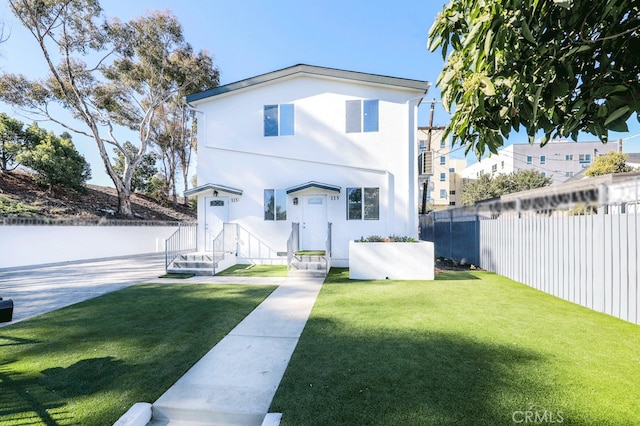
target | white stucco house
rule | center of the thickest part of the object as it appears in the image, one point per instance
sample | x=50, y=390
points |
x=306, y=158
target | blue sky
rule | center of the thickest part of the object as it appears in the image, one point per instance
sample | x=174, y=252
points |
x=251, y=37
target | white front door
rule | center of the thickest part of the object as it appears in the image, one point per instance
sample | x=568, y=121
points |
x=313, y=234
x=216, y=215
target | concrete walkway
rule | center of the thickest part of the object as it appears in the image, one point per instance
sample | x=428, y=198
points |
x=39, y=289
x=234, y=383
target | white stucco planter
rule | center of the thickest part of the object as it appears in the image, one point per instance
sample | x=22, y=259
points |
x=395, y=261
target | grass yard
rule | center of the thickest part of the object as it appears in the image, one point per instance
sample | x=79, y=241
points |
x=254, y=271
x=88, y=363
x=471, y=348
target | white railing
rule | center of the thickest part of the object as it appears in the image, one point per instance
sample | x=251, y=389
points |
x=293, y=243
x=328, y=248
x=183, y=240
x=225, y=243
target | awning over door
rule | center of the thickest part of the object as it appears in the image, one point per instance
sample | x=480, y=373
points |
x=317, y=185
x=212, y=188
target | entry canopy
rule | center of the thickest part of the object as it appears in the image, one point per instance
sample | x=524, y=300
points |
x=212, y=188
x=318, y=185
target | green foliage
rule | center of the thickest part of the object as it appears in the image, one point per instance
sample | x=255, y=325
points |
x=13, y=140
x=389, y=239
x=10, y=208
x=486, y=187
x=143, y=173
x=140, y=66
x=611, y=162
x=56, y=161
x=556, y=67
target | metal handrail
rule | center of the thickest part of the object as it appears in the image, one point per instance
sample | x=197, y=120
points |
x=181, y=241
x=328, y=248
x=293, y=243
x=218, y=242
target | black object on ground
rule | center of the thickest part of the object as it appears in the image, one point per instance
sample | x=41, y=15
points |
x=6, y=310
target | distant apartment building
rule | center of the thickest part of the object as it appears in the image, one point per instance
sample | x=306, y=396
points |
x=559, y=160
x=439, y=170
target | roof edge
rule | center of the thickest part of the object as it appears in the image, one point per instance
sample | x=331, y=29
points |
x=311, y=70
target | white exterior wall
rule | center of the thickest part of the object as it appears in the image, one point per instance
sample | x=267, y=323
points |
x=234, y=152
x=555, y=165
x=52, y=244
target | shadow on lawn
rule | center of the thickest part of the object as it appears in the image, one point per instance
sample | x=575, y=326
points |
x=137, y=341
x=24, y=400
x=400, y=378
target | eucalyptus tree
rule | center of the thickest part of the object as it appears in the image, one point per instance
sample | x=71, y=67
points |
x=136, y=67
x=556, y=66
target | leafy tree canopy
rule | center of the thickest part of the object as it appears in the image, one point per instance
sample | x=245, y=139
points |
x=486, y=187
x=13, y=139
x=611, y=162
x=559, y=66
x=146, y=170
x=136, y=67
x=55, y=160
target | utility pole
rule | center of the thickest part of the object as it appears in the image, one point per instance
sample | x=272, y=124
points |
x=430, y=128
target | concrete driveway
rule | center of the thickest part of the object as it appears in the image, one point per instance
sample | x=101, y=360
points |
x=39, y=289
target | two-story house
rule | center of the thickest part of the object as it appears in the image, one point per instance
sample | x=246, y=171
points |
x=306, y=158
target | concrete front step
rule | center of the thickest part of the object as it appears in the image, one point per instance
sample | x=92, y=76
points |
x=194, y=271
x=308, y=265
x=180, y=416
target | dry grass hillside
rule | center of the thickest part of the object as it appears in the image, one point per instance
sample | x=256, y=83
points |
x=22, y=197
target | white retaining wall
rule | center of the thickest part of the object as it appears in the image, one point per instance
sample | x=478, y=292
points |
x=36, y=245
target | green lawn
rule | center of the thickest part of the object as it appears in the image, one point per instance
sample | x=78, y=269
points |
x=252, y=270
x=471, y=348
x=88, y=363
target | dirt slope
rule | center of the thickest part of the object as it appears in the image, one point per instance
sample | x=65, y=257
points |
x=98, y=201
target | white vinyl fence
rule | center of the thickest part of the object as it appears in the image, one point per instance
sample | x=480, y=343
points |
x=577, y=242
x=591, y=260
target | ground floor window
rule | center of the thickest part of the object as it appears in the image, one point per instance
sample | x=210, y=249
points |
x=275, y=204
x=363, y=203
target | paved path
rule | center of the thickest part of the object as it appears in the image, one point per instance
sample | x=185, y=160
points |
x=39, y=289
x=235, y=382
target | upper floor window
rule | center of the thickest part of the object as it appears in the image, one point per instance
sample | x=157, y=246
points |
x=443, y=193
x=494, y=168
x=363, y=203
x=529, y=159
x=422, y=144
x=278, y=120
x=443, y=160
x=362, y=116
x=568, y=157
x=275, y=204
x=443, y=177
x=584, y=158
x=543, y=159
x=452, y=169
x=443, y=143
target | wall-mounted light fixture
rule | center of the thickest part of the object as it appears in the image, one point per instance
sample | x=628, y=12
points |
x=295, y=201
x=215, y=193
